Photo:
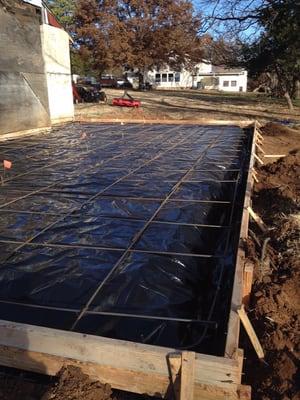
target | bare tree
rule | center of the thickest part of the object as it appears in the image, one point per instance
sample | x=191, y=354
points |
x=267, y=32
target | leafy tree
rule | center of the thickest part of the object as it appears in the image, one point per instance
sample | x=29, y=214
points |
x=64, y=10
x=278, y=49
x=138, y=34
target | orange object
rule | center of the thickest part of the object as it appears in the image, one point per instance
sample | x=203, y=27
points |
x=7, y=164
x=83, y=135
x=122, y=102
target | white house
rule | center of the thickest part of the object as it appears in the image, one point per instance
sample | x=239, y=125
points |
x=203, y=76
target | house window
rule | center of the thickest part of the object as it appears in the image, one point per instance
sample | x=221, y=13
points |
x=177, y=76
x=171, y=77
x=233, y=83
x=226, y=83
x=157, y=78
x=164, y=77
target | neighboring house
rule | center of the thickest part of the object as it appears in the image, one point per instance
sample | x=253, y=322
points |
x=203, y=76
x=35, y=76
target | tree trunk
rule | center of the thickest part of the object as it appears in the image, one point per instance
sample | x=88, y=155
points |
x=297, y=90
x=289, y=101
x=284, y=89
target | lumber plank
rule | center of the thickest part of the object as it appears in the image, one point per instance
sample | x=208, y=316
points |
x=244, y=392
x=122, y=379
x=258, y=159
x=28, y=132
x=175, y=364
x=232, y=340
x=260, y=148
x=258, y=220
x=130, y=365
x=200, y=121
x=274, y=155
x=250, y=332
x=233, y=327
x=240, y=358
x=247, y=281
x=187, y=378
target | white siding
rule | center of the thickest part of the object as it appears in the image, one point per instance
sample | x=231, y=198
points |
x=185, y=78
x=204, y=68
x=240, y=79
x=202, y=73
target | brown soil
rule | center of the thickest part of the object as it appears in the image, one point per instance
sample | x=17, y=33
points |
x=191, y=105
x=279, y=139
x=73, y=384
x=275, y=301
x=274, y=129
x=70, y=384
x=282, y=177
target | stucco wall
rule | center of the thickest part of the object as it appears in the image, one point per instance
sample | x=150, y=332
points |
x=23, y=88
x=55, y=44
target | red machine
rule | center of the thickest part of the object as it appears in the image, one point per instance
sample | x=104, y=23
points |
x=126, y=101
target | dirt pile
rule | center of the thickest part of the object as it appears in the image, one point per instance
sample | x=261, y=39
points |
x=282, y=177
x=73, y=384
x=274, y=129
x=275, y=302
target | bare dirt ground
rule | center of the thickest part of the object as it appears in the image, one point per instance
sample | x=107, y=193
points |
x=275, y=303
x=192, y=105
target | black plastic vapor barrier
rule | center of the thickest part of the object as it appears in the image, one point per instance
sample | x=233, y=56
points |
x=125, y=231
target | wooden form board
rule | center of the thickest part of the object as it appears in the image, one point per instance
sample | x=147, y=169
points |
x=132, y=366
x=124, y=365
x=28, y=132
x=232, y=341
x=200, y=121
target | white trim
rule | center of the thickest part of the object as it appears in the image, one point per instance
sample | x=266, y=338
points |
x=36, y=3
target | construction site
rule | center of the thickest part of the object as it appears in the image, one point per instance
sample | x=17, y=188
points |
x=146, y=252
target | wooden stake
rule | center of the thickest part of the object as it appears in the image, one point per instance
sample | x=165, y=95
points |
x=274, y=155
x=258, y=133
x=255, y=175
x=174, y=361
x=260, y=148
x=247, y=281
x=250, y=332
x=187, y=375
x=258, y=159
x=258, y=220
x=255, y=178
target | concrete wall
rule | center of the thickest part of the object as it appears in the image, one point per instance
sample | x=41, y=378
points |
x=23, y=86
x=55, y=44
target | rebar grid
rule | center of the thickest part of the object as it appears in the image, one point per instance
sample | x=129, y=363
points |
x=163, y=200
x=43, y=189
